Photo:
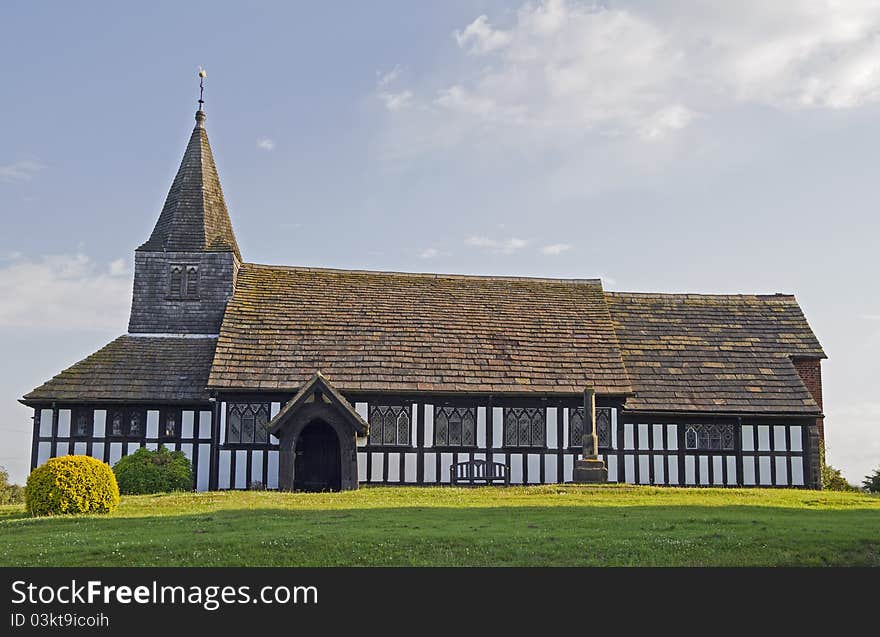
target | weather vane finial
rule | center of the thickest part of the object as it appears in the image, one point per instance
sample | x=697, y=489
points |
x=202, y=75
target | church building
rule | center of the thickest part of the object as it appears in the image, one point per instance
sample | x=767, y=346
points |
x=301, y=378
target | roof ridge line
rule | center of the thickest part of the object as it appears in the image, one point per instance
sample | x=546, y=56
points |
x=427, y=275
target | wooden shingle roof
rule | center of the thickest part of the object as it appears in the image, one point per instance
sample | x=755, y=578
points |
x=136, y=368
x=386, y=331
x=714, y=353
x=194, y=217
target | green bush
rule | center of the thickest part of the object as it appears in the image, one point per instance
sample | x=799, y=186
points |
x=71, y=484
x=871, y=483
x=9, y=493
x=159, y=471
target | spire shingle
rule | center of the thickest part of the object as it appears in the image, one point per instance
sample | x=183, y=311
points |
x=194, y=217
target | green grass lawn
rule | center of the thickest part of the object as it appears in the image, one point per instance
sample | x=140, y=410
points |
x=558, y=525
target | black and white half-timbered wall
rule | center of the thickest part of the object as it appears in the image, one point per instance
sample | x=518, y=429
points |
x=303, y=378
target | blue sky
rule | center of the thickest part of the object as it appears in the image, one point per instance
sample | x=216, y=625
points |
x=665, y=146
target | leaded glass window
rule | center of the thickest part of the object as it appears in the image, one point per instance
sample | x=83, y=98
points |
x=116, y=420
x=603, y=427
x=82, y=423
x=455, y=426
x=170, y=426
x=710, y=437
x=246, y=423
x=525, y=427
x=577, y=426
x=390, y=425
x=136, y=420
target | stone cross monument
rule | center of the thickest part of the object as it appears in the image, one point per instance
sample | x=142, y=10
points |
x=591, y=468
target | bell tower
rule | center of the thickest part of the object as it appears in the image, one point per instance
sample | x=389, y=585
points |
x=184, y=274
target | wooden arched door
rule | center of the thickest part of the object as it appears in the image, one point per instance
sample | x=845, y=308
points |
x=317, y=460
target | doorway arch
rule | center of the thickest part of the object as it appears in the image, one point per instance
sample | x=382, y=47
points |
x=317, y=459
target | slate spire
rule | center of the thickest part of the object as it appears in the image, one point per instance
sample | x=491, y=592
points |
x=194, y=217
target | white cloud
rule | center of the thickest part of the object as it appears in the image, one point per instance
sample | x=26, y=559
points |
x=64, y=292
x=396, y=101
x=501, y=246
x=23, y=170
x=264, y=143
x=429, y=253
x=556, y=248
x=393, y=101
x=559, y=70
x=480, y=37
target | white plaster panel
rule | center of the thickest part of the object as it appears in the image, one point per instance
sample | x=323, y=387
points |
x=628, y=437
x=718, y=470
x=393, y=467
x=115, y=452
x=551, y=428
x=44, y=452
x=764, y=470
x=257, y=466
x=550, y=464
x=565, y=431
x=100, y=423
x=704, y=470
x=748, y=438
x=79, y=448
x=497, y=427
x=672, y=467
x=362, y=467
x=534, y=460
x=445, y=464
x=797, y=471
x=205, y=424
x=377, y=463
x=643, y=441
x=409, y=473
x=187, y=421
x=644, y=468
x=612, y=468
x=749, y=470
x=46, y=423
x=204, y=468
x=763, y=438
x=797, y=438
x=516, y=468
x=272, y=478
x=63, y=423
x=152, y=423
x=629, y=468
x=224, y=469
x=731, y=471
x=659, y=474
x=241, y=476
x=658, y=437
x=672, y=437
x=481, y=427
x=98, y=451
x=430, y=467
x=690, y=471
x=781, y=471
x=429, y=427
x=567, y=467
x=779, y=438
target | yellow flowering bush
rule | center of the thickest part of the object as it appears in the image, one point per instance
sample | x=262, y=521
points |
x=71, y=484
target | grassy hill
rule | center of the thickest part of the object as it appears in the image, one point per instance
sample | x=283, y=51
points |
x=560, y=525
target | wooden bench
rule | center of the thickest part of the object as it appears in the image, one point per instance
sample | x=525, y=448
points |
x=479, y=472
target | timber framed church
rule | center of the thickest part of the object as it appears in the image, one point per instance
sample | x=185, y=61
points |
x=319, y=379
